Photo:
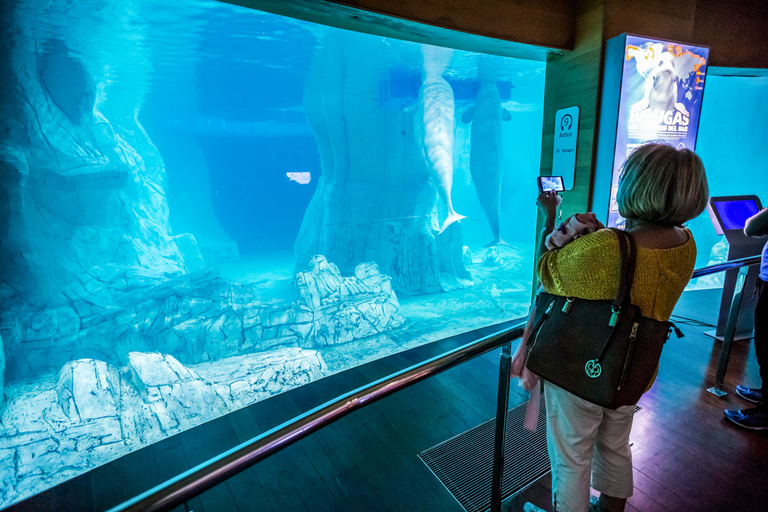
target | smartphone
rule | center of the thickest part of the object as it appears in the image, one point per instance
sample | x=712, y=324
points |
x=551, y=183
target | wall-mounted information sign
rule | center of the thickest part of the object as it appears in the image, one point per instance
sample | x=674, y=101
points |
x=652, y=91
x=566, y=142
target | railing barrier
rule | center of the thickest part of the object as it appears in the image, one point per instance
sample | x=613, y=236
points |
x=195, y=481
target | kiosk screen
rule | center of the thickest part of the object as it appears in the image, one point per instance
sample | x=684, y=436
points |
x=733, y=214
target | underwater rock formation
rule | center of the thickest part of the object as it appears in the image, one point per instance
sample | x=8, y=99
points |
x=332, y=309
x=82, y=203
x=468, y=256
x=492, y=257
x=718, y=254
x=83, y=209
x=375, y=200
x=175, y=395
x=79, y=190
x=114, y=310
x=56, y=428
x=2, y=372
x=190, y=251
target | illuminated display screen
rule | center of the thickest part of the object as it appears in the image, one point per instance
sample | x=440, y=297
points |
x=552, y=183
x=734, y=214
x=662, y=85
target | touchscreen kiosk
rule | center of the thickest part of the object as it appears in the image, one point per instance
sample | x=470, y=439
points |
x=732, y=212
x=728, y=215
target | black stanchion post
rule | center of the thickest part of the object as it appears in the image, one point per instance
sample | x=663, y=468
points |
x=730, y=332
x=502, y=401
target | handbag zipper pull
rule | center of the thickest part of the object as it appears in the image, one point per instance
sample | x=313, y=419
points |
x=535, y=335
x=633, y=334
x=567, y=305
x=614, y=316
x=628, y=357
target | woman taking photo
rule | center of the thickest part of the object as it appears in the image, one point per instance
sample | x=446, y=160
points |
x=660, y=189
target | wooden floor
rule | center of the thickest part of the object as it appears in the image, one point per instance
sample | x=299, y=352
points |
x=686, y=456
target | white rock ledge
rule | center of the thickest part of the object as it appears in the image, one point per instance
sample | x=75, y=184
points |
x=51, y=430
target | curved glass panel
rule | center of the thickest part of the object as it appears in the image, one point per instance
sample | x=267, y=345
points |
x=731, y=145
x=202, y=206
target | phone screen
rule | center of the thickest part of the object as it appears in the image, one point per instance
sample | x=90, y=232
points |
x=551, y=183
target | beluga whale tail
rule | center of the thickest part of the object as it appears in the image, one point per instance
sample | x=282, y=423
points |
x=486, y=157
x=434, y=125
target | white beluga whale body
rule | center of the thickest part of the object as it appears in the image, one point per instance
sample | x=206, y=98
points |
x=434, y=125
x=486, y=158
x=661, y=73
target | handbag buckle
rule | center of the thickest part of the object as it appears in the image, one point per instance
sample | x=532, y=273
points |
x=614, y=316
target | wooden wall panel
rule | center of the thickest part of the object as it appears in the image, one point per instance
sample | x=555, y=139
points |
x=736, y=32
x=542, y=23
x=513, y=28
x=654, y=18
x=574, y=80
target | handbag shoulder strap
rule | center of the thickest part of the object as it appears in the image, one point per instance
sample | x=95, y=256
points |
x=628, y=254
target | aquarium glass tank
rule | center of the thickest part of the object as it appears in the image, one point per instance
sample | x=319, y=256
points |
x=731, y=144
x=203, y=205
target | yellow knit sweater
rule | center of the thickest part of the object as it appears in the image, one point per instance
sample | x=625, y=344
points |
x=589, y=268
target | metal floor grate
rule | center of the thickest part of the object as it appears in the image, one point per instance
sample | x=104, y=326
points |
x=464, y=463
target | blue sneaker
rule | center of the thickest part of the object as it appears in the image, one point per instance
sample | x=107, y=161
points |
x=752, y=419
x=750, y=394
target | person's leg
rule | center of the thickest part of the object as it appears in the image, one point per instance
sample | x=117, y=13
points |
x=756, y=418
x=572, y=424
x=611, y=504
x=612, y=460
x=761, y=332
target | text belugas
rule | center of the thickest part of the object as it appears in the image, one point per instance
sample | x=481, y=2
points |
x=667, y=117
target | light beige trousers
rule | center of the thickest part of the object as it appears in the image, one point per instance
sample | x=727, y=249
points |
x=583, y=440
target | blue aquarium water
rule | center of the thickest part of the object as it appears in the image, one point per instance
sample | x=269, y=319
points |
x=204, y=205
x=732, y=144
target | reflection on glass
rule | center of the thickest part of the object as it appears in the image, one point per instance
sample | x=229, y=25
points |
x=203, y=206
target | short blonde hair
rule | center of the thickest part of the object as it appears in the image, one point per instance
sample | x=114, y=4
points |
x=662, y=185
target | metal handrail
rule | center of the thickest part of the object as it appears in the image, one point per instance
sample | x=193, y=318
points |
x=193, y=482
x=728, y=265
x=202, y=477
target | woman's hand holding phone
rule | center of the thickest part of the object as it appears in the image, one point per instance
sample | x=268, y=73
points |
x=548, y=202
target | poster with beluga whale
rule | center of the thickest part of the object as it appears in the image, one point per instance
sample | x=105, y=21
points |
x=486, y=158
x=652, y=91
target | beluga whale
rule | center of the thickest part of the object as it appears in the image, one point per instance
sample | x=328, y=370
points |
x=434, y=125
x=486, y=157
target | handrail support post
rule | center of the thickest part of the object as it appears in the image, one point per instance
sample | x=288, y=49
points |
x=730, y=333
x=502, y=401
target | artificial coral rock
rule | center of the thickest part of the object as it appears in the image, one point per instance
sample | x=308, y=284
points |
x=53, y=430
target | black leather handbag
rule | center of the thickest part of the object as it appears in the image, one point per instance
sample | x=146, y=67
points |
x=603, y=351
